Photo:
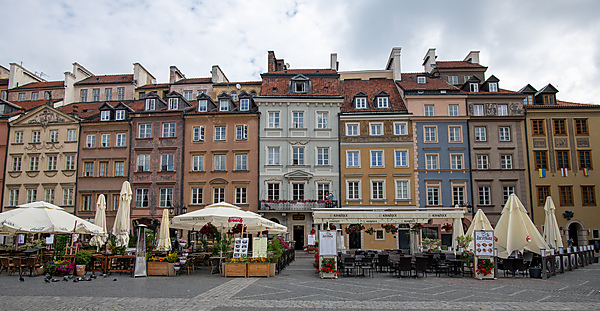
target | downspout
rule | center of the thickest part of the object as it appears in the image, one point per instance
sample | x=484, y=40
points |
x=339, y=164
x=258, y=160
x=5, y=168
x=470, y=164
x=528, y=163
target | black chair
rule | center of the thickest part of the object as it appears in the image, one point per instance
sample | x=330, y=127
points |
x=366, y=265
x=348, y=266
x=509, y=266
x=421, y=266
x=383, y=262
x=404, y=265
x=441, y=266
x=521, y=267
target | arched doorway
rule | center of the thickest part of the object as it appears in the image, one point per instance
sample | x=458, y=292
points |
x=574, y=229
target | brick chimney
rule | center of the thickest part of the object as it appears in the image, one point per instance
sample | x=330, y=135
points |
x=75, y=112
x=271, y=61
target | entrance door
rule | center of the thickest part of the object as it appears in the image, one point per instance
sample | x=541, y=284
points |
x=299, y=237
x=573, y=233
x=404, y=236
x=354, y=240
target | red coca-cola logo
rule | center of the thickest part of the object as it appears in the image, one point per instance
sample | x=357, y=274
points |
x=495, y=239
x=235, y=219
x=528, y=239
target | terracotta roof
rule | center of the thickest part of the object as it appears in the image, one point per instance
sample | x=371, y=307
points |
x=409, y=82
x=456, y=64
x=563, y=104
x=38, y=85
x=30, y=105
x=324, y=82
x=84, y=110
x=304, y=71
x=500, y=91
x=240, y=83
x=126, y=78
x=153, y=86
x=194, y=81
x=138, y=105
x=349, y=88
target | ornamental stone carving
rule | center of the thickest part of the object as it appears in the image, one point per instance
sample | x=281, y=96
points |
x=45, y=117
x=561, y=143
x=583, y=143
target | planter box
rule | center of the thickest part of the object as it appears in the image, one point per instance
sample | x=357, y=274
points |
x=234, y=269
x=325, y=275
x=272, y=268
x=161, y=268
x=259, y=269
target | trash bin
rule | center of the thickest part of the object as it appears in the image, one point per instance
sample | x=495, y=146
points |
x=535, y=272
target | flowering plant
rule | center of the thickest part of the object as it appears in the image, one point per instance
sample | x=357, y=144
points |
x=354, y=228
x=310, y=248
x=390, y=228
x=316, y=261
x=447, y=227
x=276, y=201
x=484, y=266
x=328, y=266
x=176, y=264
x=417, y=226
x=182, y=258
x=209, y=230
x=186, y=250
x=237, y=229
x=370, y=231
x=464, y=241
x=312, y=231
x=258, y=260
x=60, y=267
x=331, y=227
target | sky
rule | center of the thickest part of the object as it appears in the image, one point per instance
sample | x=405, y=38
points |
x=521, y=42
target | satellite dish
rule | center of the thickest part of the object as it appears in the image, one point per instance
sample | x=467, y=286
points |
x=238, y=86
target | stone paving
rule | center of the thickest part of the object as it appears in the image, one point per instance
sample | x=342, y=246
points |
x=299, y=288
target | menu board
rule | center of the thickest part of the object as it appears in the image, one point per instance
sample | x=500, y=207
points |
x=259, y=247
x=311, y=239
x=484, y=243
x=327, y=245
x=240, y=247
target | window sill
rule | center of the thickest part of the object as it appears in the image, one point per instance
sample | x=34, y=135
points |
x=241, y=171
x=142, y=172
x=323, y=129
x=70, y=141
x=161, y=171
x=197, y=171
x=273, y=129
x=298, y=166
x=274, y=165
x=17, y=144
x=325, y=165
x=378, y=200
x=353, y=200
x=169, y=137
x=402, y=200
x=220, y=171
x=36, y=143
x=298, y=129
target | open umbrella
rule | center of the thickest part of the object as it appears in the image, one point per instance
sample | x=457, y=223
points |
x=122, y=221
x=551, y=230
x=100, y=220
x=43, y=217
x=164, y=243
x=480, y=222
x=515, y=231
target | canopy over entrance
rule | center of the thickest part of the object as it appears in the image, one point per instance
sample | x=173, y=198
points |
x=384, y=215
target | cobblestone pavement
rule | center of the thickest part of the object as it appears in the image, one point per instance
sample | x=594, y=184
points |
x=299, y=288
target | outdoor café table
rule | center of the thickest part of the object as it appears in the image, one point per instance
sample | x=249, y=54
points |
x=120, y=263
x=457, y=265
x=98, y=263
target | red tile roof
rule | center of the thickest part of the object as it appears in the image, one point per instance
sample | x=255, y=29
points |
x=39, y=85
x=30, y=105
x=500, y=91
x=349, y=88
x=84, y=110
x=456, y=64
x=324, y=82
x=408, y=83
x=153, y=86
x=563, y=104
x=138, y=105
x=304, y=71
x=240, y=83
x=194, y=81
x=107, y=79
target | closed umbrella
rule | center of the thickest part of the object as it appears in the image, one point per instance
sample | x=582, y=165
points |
x=480, y=222
x=122, y=221
x=457, y=230
x=100, y=220
x=551, y=230
x=164, y=243
x=515, y=231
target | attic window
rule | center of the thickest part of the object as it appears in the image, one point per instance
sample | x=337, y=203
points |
x=150, y=104
x=224, y=105
x=234, y=96
x=173, y=103
x=382, y=102
x=105, y=115
x=474, y=87
x=202, y=105
x=244, y=104
x=299, y=86
x=493, y=87
x=120, y=114
x=549, y=99
x=360, y=102
x=421, y=79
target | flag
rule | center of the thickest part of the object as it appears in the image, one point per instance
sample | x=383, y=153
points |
x=586, y=171
x=542, y=172
x=563, y=172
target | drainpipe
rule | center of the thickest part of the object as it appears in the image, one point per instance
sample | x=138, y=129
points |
x=339, y=164
x=470, y=164
x=5, y=168
x=528, y=165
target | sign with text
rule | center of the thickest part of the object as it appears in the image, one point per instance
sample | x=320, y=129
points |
x=327, y=245
x=311, y=239
x=484, y=243
x=259, y=247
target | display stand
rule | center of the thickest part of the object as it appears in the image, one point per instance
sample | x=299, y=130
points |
x=327, y=250
x=484, y=251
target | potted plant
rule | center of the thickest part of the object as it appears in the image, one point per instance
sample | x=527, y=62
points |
x=485, y=268
x=235, y=267
x=328, y=268
x=390, y=228
x=416, y=227
x=82, y=258
x=447, y=227
x=176, y=266
x=162, y=265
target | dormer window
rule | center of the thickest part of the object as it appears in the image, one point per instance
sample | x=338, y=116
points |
x=300, y=87
x=224, y=105
x=202, y=105
x=173, y=103
x=150, y=104
x=120, y=115
x=300, y=84
x=244, y=104
x=474, y=87
x=548, y=99
x=105, y=115
x=382, y=102
x=360, y=102
x=493, y=87
x=421, y=79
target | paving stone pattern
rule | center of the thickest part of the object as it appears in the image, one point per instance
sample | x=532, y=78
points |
x=299, y=288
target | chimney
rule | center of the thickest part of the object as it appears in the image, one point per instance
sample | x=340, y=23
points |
x=334, y=63
x=429, y=60
x=271, y=62
x=394, y=63
x=75, y=112
x=473, y=57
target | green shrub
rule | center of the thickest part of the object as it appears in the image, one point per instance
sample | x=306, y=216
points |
x=83, y=257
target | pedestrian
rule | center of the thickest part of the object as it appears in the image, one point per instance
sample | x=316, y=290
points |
x=570, y=242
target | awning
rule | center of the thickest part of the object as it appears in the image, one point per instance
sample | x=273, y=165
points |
x=384, y=216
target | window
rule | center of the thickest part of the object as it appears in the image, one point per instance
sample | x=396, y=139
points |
x=493, y=87
x=273, y=191
x=173, y=103
x=559, y=127
x=581, y=126
x=297, y=191
x=224, y=105
x=402, y=190
x=453, y=110
x=541, y=159
x=200, y=92
x=54, y=136
x=528, y=100
x=360, y=102
x=52, y=160
x=542, y=193
x=400, y=128
x=484, y=195
x=400, y=158
x=120, y=115
x=219, y=162
x=108, y=94
x=120, y=141
x=549, y=99
x=168, y=130
x=150, y=104
x=145, y=131
x=18, y=137
x=507, y=191
x=376, y=158
x=49, y=195
x=480, y=133
x=218, y=194
x=353, y=158
x=273, y=156
x=478, y=110
x=506, y=161
x=105, y=140
x=458, y=195
x=566, y=195
x=220, y=133
x=88, y=169
x=67, y=196
x=143, y=162
x=16, y=164
x=297, y=119
x=538, y=127
x=376, y=129
x=502, y=110
x=429, y=110
x=377, y=190
x=244, y=104
x=240, y=195
x=454, y=134
x=562, y=159
x=86, y=202
x=353, y=190
x=35, y=136
x=322, y=156
x=299, y=86
x=241, y=162
x=166, y=162
x=431, y=161
x=13, y=197
x=273, y=119
x=105, y=115
x=382, y=102
x=96, y=95
x=120, y=93
x=196, y=195
x=189, y=95
x=297, y=155
x=83, y=96
x=198, y=133
x=198, y=163
x=433, y=195
x=453, y=80
x=31, y=195
x=90, y=141
x=322, y=191
x=119, y=168
x=34, y=162
x=430, y=134
x=474, y=87
x=504, y=133
x=588, y=195
x=352, y=129
x=421, y=79
x=141, y=197
x=202, y=105
x=21, y=96
x=585, y=159
x=456, y=161
x=241, y=132
x=482, y=162
x=166, y=197
x=35, y=95
x=322, y=120
x=69, y=162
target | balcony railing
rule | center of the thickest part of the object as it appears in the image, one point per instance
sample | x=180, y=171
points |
x=296, y=206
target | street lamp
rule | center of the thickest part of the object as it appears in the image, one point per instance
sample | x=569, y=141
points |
x=177, y=209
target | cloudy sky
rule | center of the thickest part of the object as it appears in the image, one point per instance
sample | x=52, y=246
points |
x=536, y=42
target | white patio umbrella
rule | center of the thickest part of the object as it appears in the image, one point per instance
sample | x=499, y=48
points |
x=457, y=230
x=551, y=230
x=164, y=243
x=122, y=221
x=515, y=231
x=43, y=217
x=100, y=220
x=480, y=222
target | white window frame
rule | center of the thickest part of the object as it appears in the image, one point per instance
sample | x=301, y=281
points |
x=433, y=194
x=453, y=110
x=432, y=161
x=400, y=128
x=54, y=136
x=493, y=87
x=298, y=155
x=119, y=168
x=168, y=130
x=323, y=156
x=380, y=196
x=35, y=136
x=478, y=110
x=453, y=80
x=69, y=162
x=16, y=163
x=480, y=133
x=456, y=162
x=104, y=140
x=504, y=133
x=31, y=195
x=34, y=163
x=173, y=103
x=377, y=164
x=485, y=195
x=142, y=197
x=506, y=162
x=358, y=190
x=241, y=162
x=241, y=132
x=244, y=104
x=224, y=105
x=90, y=140
x=376, y=128
x=273, y=155
x=399, y=161
x=198, y=133
x=458, y=195
x=167, y=162
x=428, y=136
x=350, y=126
x=241, y=195
x=108, y=94
x=188, y=95
x=67, y=197
x=273, y=120
x=143, y=161
x=483, y=162
x=105, y=115
x=298, y=190
x=383, y=102
x=220, y=162
x=166, y=198
x=454, y=137
x=150, y=104
x=120, y=115
x=13, y=197
x=120, y=93
x=18, y=137
x=202, y=105
x=196, y=195
x=322, y=120
x=95, y=95
x=506, y=192
x=350, y=160
x=145, y=130
x=273, y=190
x=429, y=110
x=198, y=163
x=298, y=119
x=49, y=195
x=220, y=133
x=120, y=139
x=474, y=87
x=360, y=102
x=502, y=109
x=421, y=79
x=402, y=193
